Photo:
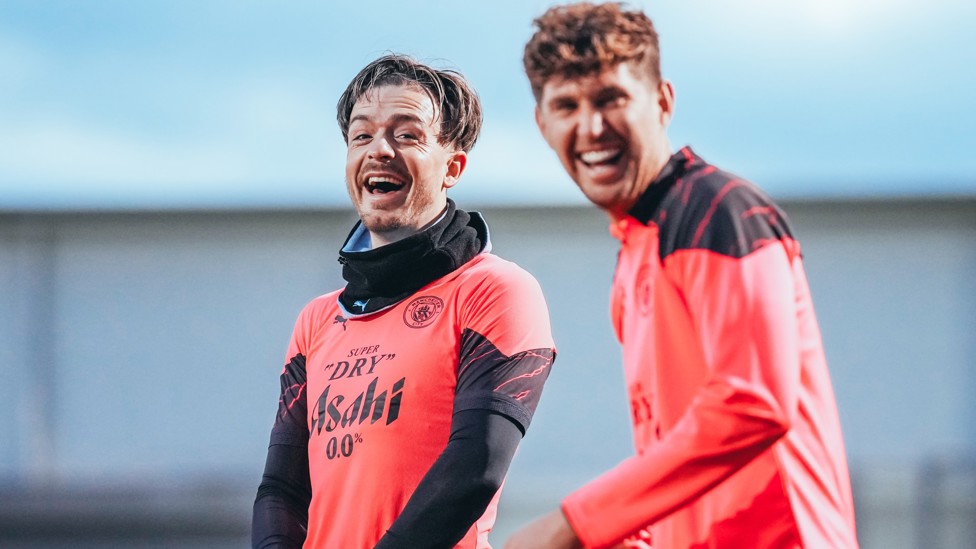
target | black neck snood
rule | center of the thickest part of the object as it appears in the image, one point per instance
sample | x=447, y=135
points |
x=384, y=276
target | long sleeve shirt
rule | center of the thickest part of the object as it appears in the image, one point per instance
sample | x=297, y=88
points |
x=737, y=435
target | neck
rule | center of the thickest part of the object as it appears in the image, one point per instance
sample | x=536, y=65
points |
x=382, y=238
x=378, y=239
x=653, y=163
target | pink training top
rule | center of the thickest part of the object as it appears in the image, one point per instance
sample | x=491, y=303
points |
x=381, y=390
x=737, y=434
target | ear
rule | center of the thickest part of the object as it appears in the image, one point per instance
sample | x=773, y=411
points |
x=665, y=92
x=455, y=167
x=539, y=120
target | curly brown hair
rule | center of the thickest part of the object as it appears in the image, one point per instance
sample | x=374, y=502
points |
x=585, y=38
x=455, y=100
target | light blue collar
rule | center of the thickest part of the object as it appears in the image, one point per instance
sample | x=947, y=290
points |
x=360, y=240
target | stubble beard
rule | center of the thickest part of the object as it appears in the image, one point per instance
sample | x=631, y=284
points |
x=381, y=223
x=390, y=221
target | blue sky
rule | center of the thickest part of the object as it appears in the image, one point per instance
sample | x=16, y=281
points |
x=230, y=103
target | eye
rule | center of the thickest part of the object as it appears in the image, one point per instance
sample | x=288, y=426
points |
x=360, y=137
x=611, y=99
x=406, y=136
x=564, y=106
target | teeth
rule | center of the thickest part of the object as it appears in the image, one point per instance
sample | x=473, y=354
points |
x=381, y=179
x=596, y=157
x=383, y=184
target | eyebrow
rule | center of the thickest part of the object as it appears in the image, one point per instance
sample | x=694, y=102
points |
x=398, y=118
x=610, y=92
x=560, y=99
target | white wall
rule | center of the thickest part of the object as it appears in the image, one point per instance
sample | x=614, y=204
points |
x=139, y=346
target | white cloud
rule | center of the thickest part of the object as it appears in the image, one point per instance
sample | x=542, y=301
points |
x=213, y=136
x=261, y=134
x=62, y=151
x=145, y=123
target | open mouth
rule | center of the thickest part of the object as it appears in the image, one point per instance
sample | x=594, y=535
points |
x=383, y=184
x=602, y=157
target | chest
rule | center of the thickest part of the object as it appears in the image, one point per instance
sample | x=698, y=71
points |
x=653, y=320
x=636, y=285
x=385, y=370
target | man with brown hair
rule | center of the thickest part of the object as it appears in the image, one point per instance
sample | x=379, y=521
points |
x=405, y=394
x=736, y=429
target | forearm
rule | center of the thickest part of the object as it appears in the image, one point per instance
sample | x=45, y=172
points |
x=277, y=524
x=459, y=486
x=709, y=445
x=280, y=515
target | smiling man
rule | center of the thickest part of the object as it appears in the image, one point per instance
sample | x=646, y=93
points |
x=737, y=435
x=405, y=394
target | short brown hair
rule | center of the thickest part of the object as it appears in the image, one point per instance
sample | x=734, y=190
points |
x=585, y=38
x=455, y=102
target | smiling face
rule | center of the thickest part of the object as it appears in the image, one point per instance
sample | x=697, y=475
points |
x=609, y=130
x=397, y=173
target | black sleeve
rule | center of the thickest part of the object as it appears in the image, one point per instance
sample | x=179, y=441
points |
x=459, y=486
x=491, y=380
x=280, y=517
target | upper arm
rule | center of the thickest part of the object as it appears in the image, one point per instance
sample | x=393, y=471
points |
x=506, y=346
x=732, y=262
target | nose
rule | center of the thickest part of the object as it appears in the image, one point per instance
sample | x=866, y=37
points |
x=380, y=149
x=591, y=123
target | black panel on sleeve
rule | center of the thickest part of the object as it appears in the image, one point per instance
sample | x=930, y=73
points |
x=490, y=380
x=293, y=404
x=280, y=513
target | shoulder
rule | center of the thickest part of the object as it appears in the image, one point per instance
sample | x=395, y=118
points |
x=489, y=270
x=714, y=210
x=504, y=303
x=491, y=283
x=322, y=302
x=318, y=308
x=317, y=313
